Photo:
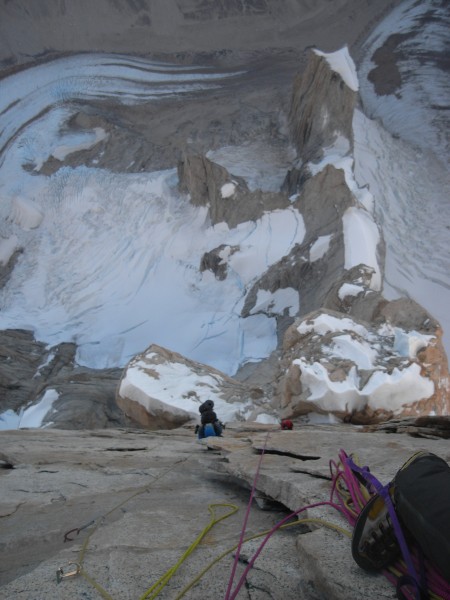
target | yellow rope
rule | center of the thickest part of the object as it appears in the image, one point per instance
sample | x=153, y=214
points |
x=84, y=547
x=258, y=535
x=94, y=584
x=156, y=588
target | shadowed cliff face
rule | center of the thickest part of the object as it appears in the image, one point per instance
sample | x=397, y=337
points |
x=31, y=30
x=320, y=98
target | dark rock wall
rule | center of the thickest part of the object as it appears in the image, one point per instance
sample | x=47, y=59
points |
x=35, y=30
x=28, y=368
x=322, y=108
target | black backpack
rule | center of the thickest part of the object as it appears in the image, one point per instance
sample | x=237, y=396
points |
x=410, y=513
x=422, y=502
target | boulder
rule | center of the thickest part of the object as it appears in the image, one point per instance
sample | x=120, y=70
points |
x=363, y=372
x=163, y=389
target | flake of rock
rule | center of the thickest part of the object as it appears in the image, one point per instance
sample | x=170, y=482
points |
x=432, y=427
x=285, y=478
x=225, y=444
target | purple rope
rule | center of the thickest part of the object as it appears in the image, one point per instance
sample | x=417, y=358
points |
x=436, y=582
x=352, y=486
x=383, y=491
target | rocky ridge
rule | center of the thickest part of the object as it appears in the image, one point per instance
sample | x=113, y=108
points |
x=316, y=271
x=326, y=286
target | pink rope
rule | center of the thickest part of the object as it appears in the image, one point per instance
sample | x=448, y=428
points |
x=244, y=526
x=436, y=583
x=269, y=535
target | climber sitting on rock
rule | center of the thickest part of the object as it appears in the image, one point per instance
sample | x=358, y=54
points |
x=208, y=417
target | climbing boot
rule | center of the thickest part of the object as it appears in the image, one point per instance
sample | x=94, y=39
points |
x=374, y=543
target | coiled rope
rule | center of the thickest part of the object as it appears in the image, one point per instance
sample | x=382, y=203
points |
x=348, y=496
x=351, y=496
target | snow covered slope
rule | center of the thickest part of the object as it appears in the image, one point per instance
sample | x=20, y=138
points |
x=403, y=154
x=111, y=260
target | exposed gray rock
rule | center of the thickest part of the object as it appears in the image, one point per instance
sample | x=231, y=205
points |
x=324, y=557
x=26, y=365
x=356, y=370
x=351, y=294
x=295, y=471
x=28, y=369
x=131, y=499
x=7, y=269
x=86, y=400
x=203, y=180
x=432, y=428
x=13, y=394
x=322, y=202
x=321, y=109
x=213, y=261
x=227, y=196
x=137, y=500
